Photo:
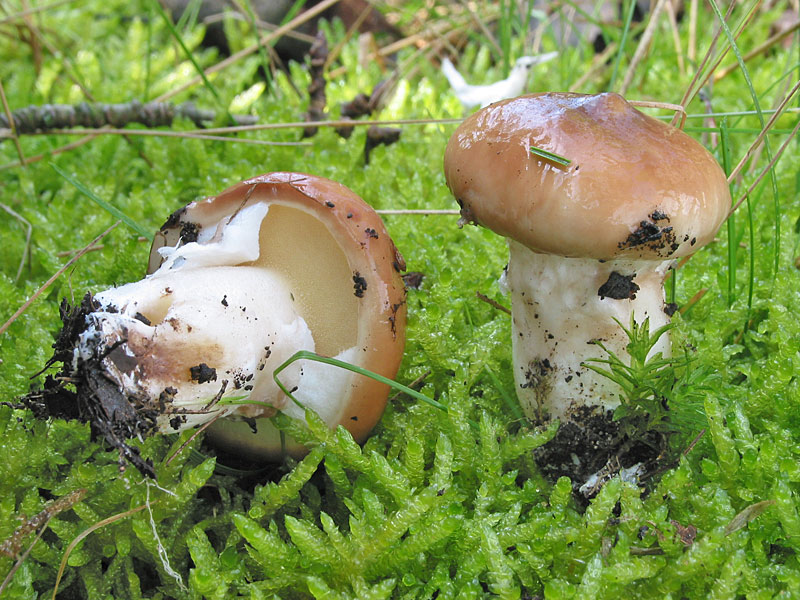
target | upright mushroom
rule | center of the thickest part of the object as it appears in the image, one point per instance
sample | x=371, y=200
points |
x=590, y=242
x=238, y=283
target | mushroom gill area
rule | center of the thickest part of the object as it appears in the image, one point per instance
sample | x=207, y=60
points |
x=297, y=245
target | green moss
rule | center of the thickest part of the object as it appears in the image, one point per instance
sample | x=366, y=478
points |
x=430, y=506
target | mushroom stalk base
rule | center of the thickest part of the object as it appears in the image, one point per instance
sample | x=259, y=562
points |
x=560, y=306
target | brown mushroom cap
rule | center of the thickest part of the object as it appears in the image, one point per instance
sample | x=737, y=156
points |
x=635, y=187
x=344, y=273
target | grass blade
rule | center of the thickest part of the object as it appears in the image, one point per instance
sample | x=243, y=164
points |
x=176, y=34
x=551, y=156
x=621, y=51
x=760, y=114
x=112, y=210
x=313, y=356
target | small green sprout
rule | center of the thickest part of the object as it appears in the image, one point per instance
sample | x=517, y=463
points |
x=651, y=386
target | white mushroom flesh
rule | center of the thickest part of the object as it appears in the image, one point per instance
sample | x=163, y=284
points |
x=558, y=312
x=208, y=328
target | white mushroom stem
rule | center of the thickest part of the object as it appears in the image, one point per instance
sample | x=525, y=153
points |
x=205, y=332
x=558, y=312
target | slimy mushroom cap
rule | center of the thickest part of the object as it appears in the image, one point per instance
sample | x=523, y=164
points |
x=635, y=187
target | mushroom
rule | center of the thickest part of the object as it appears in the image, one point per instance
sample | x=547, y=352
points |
x=590, y=242
x=237, y=284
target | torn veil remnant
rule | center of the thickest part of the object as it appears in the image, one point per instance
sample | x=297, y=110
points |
x=590, y=243
x=238, y=283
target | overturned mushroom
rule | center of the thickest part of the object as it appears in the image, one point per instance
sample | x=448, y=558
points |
x=590, y=242
x=238, y=283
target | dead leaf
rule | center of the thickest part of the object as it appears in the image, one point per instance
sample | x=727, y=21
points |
x=748, y=514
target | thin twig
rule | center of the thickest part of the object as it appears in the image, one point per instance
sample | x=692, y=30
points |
x=491, y=302
x=55, y=276
x=49, y=117
x=693, y=443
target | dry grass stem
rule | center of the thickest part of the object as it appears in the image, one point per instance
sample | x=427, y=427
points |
x=693, y=300
x=691, y=52
x=263, y=41
x=680, y=110
x=414, y=385
x=192, y=437
x=55, y=276
x=54, y=152
x=36, y=47
x=709, y=73
x=214, y=134
x=676, y=37
x=438, y=30
x=194, y=134
x=757, y=142
x=32, y=11
x=766, y=169
x=28, y=232
x=337, y=49
x=94, y=248
x=758, y=50
x=644, y=44
x=65, y=253
x=693, y=88
x=84, y=534
x=599, y=63
x=13, y=128
x=301, y=124
x=220, y=17
x=482, y=26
